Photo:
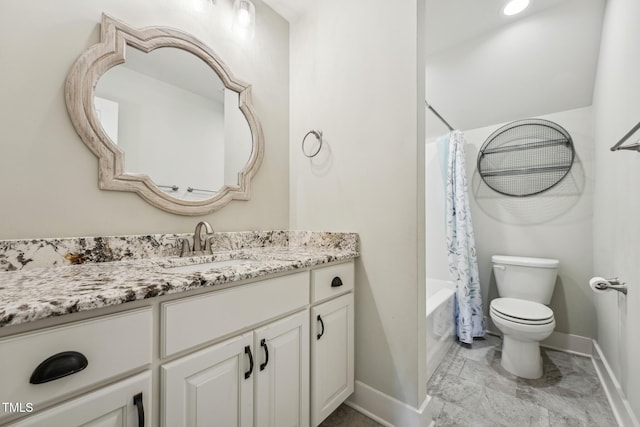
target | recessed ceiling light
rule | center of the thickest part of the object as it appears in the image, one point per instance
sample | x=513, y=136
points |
x=515, y=6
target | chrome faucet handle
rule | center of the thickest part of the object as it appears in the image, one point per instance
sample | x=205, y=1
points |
x=197, y=238
x=184, y=245
x=207, y=243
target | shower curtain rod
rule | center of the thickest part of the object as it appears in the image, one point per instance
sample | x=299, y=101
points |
x=438, y=115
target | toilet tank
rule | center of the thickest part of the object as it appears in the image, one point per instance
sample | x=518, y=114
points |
x=531, y=279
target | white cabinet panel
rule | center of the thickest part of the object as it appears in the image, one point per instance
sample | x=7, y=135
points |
x=111, y=406
x=282, y=379
x=220, y=313
x=332, y=351
x=212, y=387
x=329, y=282
x=112, y=345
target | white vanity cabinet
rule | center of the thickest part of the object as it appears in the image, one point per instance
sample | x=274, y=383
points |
x=332, y=341
x=293, y=371
x=282, y=374
x=267, y=353
x=73, y=358
x=259, y=377
x=332, y=355
x=124, y=404
x=211, y=387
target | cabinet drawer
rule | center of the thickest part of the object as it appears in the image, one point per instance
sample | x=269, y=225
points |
x=108, y=406
x=192, y=321
x=330, y=281
x=112, y=345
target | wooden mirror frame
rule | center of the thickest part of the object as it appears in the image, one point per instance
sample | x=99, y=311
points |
x=79, y=95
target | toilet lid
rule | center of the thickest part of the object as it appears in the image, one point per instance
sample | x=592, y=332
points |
x=519, y=309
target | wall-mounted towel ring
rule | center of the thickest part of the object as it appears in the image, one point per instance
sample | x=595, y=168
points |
x=318, y=135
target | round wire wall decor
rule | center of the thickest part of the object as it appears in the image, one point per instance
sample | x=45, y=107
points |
x=526, y=157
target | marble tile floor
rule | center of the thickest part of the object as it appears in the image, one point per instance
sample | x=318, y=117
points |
x=471, y=389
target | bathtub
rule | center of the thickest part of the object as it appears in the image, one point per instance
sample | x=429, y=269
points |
x=440, y=321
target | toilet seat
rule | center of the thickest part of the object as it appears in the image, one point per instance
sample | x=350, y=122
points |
x=521, y=311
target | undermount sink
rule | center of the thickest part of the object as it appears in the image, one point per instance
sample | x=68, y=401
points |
x=191, y=268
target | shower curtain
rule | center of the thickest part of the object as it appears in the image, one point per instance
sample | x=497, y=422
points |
x=463, y=264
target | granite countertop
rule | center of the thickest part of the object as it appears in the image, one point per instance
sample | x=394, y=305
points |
x=32, y=294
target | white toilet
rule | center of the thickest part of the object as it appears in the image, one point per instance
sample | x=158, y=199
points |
x=525, y=286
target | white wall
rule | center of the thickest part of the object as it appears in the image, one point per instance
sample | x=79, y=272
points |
x=541, y=63
x=517, y=70
x=354, y=75
x=49, y=178
x=616, y=225
x=554, y=224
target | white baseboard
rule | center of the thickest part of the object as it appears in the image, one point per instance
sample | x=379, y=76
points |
x=619, y=404
x=575, y=344
x=387, y=410
x=568, y=343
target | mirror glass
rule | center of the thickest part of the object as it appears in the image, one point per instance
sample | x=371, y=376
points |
x=166, y=118
x=175, y=121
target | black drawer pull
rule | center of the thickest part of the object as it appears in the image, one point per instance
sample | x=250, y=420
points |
x=336, y=282
x=263, y=344
x=247, y=351
x=137, y=400
x=319, y=319
x=58, y=366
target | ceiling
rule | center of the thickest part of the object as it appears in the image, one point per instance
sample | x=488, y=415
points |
x=290, y=9
x=452, y=22
x=484, y=68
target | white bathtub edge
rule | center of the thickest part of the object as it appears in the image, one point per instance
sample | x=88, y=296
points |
x=434, y=301
x=440, y=331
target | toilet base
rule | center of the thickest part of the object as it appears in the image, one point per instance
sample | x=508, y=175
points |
x=521, y=358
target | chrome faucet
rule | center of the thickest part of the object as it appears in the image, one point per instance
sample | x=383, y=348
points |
x=197, y=235
x=198, y=241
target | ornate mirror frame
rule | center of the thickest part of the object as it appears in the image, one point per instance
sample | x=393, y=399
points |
x=79, y=94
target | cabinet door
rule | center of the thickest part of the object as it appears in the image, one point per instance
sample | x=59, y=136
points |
x=282, y=375
x=331, y=356
x=111, y=406
x=211, y=387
